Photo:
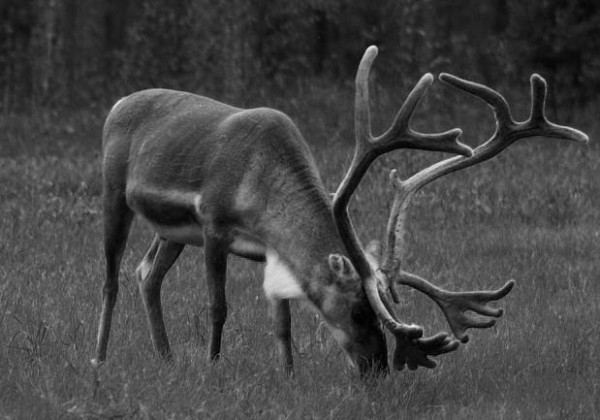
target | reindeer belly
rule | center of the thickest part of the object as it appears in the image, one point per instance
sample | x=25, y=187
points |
x=174, y=215
x=179, y=217
x=247, y=246
x=192, y=234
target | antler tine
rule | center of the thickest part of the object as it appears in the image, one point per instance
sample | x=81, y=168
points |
x=400, y=135
x=362, y=113
x=538, y=118
x=493, y=98
x=408, y=108
x=539, y=91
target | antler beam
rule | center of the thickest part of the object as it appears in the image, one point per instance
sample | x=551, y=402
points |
x=367, y=149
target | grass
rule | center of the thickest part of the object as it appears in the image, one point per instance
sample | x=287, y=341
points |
x=532, y=214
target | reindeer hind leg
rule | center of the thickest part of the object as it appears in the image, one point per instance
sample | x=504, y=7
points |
x=160, y=257
x=282, y=321
x=117, y=224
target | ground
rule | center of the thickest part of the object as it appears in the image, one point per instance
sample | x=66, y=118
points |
x=532, y=214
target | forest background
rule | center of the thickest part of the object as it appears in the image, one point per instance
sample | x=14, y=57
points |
x=70, y=54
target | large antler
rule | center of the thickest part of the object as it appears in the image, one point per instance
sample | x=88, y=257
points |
x=367, y=149
x=456, y=304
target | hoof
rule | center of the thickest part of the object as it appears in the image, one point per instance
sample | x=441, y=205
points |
x=96, y=363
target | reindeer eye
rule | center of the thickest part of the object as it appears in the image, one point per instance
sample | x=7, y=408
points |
x=359, y=314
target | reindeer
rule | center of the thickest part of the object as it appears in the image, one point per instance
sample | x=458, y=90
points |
x=243, y=182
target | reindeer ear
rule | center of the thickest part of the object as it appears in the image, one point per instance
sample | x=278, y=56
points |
x=341, y=266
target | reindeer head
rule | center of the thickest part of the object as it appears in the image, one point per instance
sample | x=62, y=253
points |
x=351, y=319
x=379, y=267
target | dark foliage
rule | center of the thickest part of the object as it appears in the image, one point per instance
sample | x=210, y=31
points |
x=80, y=52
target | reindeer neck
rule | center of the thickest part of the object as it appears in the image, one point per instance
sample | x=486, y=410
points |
x=303, y=232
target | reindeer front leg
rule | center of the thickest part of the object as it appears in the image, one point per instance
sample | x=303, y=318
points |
x=150, y=274
x=282, y=325
x=216, y=249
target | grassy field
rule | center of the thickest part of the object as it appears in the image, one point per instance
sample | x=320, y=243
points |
x=532, y=214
